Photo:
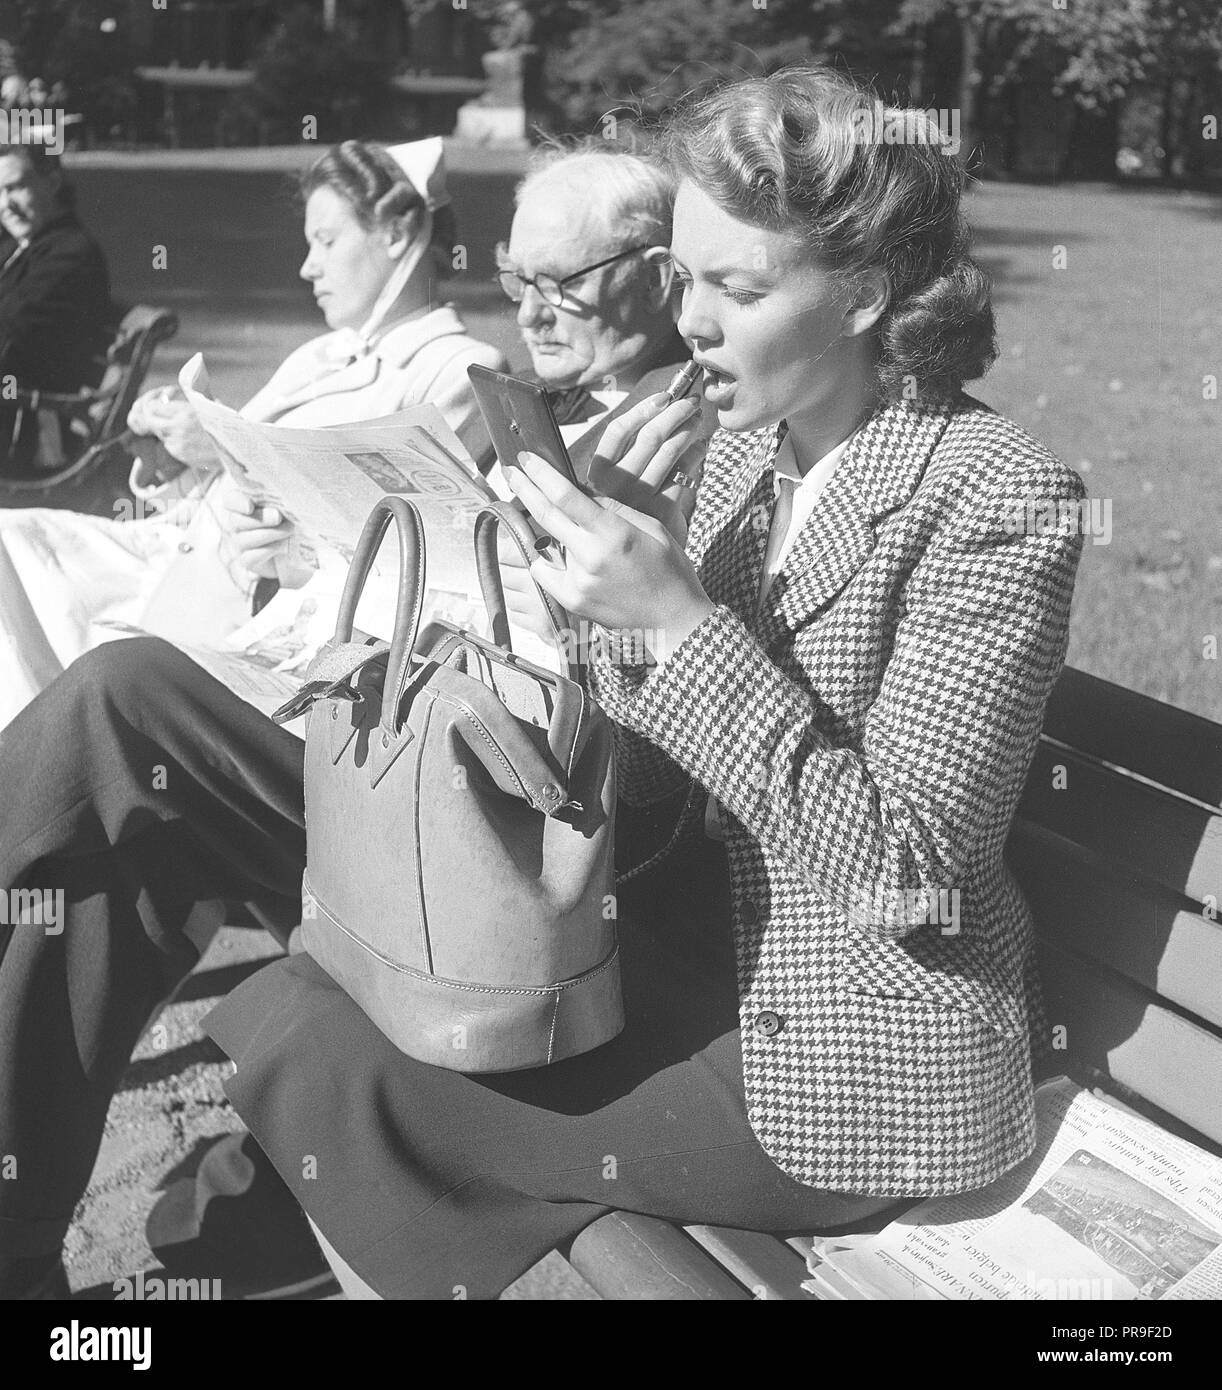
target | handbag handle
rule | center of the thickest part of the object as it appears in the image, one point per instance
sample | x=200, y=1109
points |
x=410, y=599
x=487, y=524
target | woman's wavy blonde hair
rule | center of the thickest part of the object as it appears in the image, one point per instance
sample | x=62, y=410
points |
x=867, y=187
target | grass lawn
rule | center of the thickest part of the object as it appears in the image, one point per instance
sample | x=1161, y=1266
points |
x=1103, y=359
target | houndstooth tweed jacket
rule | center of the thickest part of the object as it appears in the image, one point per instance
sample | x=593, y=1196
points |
x=868, y=736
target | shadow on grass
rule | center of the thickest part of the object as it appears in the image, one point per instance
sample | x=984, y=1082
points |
x=201, y=1266
x=215, y=984
x=147, y=1071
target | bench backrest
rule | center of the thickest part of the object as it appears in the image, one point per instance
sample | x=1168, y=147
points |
x=127, y=363
x=1118, y=847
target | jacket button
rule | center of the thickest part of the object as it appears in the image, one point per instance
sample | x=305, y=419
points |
x=186, y=547
x=749, y=913
x=551, y=792
x=767, y=1023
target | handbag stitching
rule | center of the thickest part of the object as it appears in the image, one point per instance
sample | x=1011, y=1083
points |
x=425, y=942
x=611, y=960
x=400, y=676
x=491, y=742
x=551, y=1032
x=581, y=721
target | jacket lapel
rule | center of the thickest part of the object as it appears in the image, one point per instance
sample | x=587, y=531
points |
x=730, y=525
x=879, y=472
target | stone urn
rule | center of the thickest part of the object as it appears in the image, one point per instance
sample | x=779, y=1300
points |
x=498, y=115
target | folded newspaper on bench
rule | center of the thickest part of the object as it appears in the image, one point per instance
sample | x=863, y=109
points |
x=1110, y=1206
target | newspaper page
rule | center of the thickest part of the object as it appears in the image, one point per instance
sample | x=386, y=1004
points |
x=1109, y=1206
x=327, y=479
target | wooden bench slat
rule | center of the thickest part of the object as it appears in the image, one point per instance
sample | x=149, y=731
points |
x=624, y=1256
x=1143, y=931
x=764, y=1265
x=1168, y=745
x=1161, y=837
x=1112, y=1025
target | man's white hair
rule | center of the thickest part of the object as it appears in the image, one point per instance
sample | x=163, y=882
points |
x=634, y=193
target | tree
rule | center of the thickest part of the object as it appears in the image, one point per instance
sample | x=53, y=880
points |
x=639, y=57
x=1096, y=52
x=304, y=70
x=66, y=42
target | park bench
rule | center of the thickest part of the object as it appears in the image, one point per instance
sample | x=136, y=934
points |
x=94, y=419
x=1118, y=846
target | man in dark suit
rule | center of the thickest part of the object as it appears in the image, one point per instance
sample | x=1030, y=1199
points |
x=55, y=311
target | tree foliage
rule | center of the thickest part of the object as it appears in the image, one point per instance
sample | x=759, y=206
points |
x=63, y=41
x=1096, y=52
x=642, y=56
x=303, y=70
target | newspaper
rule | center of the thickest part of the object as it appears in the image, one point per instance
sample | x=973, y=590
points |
x=1109, y=1206
x=325, y=480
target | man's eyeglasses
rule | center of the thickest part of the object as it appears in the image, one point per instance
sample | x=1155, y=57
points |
x=551, y=289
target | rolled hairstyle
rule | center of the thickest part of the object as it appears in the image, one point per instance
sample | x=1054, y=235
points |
x=379, y=192
x=867, y=187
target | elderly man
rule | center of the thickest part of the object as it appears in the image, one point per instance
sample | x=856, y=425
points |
x=142, y=854
x=587, y=264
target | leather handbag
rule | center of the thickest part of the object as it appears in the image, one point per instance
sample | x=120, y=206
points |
x=459, y=826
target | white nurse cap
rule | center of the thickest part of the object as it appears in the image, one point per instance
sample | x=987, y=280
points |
x=424, y=163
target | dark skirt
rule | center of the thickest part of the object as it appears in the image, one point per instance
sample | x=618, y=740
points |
x=430, y=1183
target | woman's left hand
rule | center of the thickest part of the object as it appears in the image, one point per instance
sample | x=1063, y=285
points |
x=174, y=422
x=640, y=450
x=622, y=569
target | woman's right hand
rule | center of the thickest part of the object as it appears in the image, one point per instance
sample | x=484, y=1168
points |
x=171, y=419
x=638, y=450
x=261, y=539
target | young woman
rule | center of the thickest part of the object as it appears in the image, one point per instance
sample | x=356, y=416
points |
x=379, y=230
x=827, y=690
